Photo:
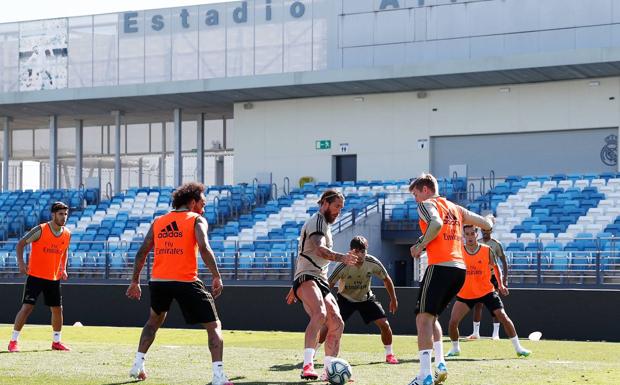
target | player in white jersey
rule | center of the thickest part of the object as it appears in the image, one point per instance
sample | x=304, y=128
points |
x=310, y=282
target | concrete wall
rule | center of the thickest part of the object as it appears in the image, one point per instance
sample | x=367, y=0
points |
x=548, y=152
x=558, y=314
x=383, y=130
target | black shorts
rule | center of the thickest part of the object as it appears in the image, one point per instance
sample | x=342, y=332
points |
x=370, y=310
x=51, y=291
x=323, y=286
x=195, y=301
x=491, y=301
x=494, y=281
x=439, y=286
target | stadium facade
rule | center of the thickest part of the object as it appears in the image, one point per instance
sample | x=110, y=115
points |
x=331, y=89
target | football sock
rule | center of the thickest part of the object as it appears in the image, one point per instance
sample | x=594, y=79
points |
x=388, y=350
x=327, y=360
x=476, y=328
x=456, y=346
x=56, y=336
x=495, y=329
x=438, y=346
x=15, y=335
x=425, y=363
x=516, y=344
x=218, y=368
x=139, y=360
x=308, y=356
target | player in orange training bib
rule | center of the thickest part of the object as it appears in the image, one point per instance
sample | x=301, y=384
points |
x=46, y=267
x=478, y=288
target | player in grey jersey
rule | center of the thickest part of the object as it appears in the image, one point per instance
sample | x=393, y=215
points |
x=310, y=282
x=355, y=294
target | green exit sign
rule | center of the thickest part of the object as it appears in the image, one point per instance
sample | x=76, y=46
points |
x=323, y=144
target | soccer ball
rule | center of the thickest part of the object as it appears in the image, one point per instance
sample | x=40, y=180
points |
x=338, y=372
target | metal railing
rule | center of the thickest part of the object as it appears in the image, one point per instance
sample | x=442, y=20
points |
x=350, y=218
x=115, y=259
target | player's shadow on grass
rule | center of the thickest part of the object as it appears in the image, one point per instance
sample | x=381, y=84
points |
x=124, y=382
x=300, y=382
x=477, y=359
x=400, y=360
x=239, y=380
x=27, y=351
x=285, y=367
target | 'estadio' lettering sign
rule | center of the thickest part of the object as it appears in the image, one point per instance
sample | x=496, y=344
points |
x=297, y=9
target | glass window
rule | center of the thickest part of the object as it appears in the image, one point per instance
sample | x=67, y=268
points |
x=137, y=138
x=157, y=46
x=42, y=142
x=92, y=139
x=268, y=44
x=105, y=55
x=66, y=141
x=212, y=41
x=240, y=38
x=131, y=48
x=156, y=138
x=185, y=43
x=9, y=57
x=229, y=175
x=81, y=51
x=21, y=143
x=297, y=36
x=213, y=134
x=169, y=136
x=106, y=139
x=43, y=55
x=230, y=126
x=188, y=139
x=319, y=34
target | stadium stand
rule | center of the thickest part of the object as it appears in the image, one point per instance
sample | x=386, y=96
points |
x=559, y=228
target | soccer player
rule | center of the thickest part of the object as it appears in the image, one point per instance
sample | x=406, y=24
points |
x=498, y=250
x=310, y=282
x=441, y=223
x=478, y=288
x=175, y=238
x=354, y=293
x=46, y=267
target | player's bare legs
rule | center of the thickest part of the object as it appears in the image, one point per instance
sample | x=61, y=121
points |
x=386, y=338
x=147, y=337
x=459, y=311
x=310, y=295
x=509, y=327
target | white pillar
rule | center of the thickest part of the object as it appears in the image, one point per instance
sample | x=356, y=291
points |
x=118, y=115
x=200, y=147
x=178, y=156
x=79, y=151
x=53, y=182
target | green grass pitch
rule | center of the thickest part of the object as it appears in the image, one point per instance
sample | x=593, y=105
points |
x=103, y=355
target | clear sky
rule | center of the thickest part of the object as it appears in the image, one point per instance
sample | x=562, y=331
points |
x=49, y=9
